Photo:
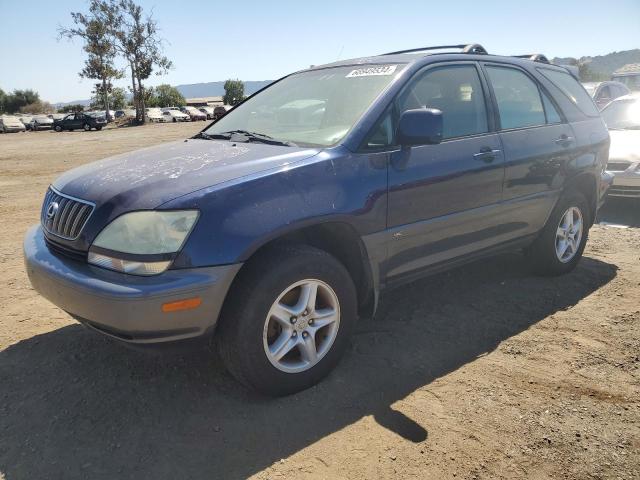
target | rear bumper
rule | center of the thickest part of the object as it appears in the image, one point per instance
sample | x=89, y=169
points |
x=128, y=307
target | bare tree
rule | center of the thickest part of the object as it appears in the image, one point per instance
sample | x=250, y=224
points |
x=100, y=46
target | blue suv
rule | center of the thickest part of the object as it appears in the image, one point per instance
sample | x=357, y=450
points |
x=277, y=226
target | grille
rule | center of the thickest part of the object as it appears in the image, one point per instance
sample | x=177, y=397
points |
x=64, y=216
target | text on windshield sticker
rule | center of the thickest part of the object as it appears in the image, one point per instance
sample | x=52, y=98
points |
x=372, y=71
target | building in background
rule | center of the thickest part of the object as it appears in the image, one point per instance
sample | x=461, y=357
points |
x=204, y=102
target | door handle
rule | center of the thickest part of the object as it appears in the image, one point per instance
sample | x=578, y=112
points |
x=564, y=140
x=486, y=154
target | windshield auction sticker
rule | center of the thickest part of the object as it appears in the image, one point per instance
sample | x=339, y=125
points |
x=372, y=71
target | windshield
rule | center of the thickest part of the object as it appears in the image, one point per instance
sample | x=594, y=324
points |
x=622, y=115
x=314, y=108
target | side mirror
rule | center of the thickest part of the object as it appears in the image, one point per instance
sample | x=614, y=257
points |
x=421, y=126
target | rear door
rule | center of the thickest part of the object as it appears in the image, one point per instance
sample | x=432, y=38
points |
x=443, y=198
x=537, y=143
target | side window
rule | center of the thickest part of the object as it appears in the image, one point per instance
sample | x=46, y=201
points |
x=572, y=89
x=552, y=113
x=457, y=92
x=518, y=98
x=604, y=93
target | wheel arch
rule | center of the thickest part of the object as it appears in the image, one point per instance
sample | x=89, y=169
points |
x=339, y=239
x=586, y=184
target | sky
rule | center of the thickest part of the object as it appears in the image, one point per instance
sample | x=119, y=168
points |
x=264, y=40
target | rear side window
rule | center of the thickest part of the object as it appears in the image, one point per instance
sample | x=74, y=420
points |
x=552, y=113
x=518, y=98
x=457, y=92
x=572, y=89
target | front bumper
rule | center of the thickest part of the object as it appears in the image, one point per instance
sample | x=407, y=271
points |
x=127, y=307
x=627, y=182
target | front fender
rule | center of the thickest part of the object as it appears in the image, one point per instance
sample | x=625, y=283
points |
x=240, y=216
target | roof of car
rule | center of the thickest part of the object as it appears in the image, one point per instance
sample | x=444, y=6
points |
x=432, y=54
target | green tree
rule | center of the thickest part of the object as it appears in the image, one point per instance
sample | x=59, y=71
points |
x=137, y=40
x=20, y=98
x=99, y=44
x=233, y=92
x=3, y=99
x=71, y=108
x=117, y=97
x=168, y=96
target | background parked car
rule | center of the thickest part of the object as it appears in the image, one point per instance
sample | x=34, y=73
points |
x=126, y=113
x=208, y=111
x=154, y=115
x=194, y=113
x=622, y=117
x=56, y=116
x=220, y=111
x=41, y=122
x=171, y=115
x=75, y=121
x=604, y=92
x=10, y=123
x=26, y=120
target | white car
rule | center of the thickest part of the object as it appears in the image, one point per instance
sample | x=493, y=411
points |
x=41, y=122
x=175, y=116
x=10, y=123
x=622, y=117
x=154, y=115
x=208, y=111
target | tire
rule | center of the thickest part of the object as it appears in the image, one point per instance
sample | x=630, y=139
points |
x=87, y=127
x=545, y=251
x=57, y=128
x=244, y=329
x=174, y=120
x=98, y=128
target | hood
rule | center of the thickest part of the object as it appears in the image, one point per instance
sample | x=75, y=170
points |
x=147, y=178
x=625, y=145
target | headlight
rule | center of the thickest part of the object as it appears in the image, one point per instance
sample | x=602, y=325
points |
x=142, y=243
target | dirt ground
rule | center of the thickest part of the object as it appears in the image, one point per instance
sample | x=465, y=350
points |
x=483, y=372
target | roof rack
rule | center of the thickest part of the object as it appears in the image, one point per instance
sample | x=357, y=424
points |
x=534, y=57
x=468, y=48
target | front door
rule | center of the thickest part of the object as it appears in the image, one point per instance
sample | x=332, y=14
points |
x=443, y=198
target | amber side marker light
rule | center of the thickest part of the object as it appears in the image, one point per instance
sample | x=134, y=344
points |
x=186, y=304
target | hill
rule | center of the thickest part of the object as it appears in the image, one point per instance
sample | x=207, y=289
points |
x=216, y=89
x=604, y=65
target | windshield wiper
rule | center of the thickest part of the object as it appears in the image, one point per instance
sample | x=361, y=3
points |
x=207, y=136
x=253, y=136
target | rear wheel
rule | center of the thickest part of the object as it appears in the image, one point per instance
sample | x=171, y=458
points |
x=99, y=128
x=288, y=319
x=561, y=243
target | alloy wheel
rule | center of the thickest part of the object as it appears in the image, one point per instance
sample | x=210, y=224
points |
x=569, y=234
x=301, y=326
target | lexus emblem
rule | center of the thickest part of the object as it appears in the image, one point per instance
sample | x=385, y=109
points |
x=52, y=209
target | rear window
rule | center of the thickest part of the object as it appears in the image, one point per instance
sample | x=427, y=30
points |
x=572, y=89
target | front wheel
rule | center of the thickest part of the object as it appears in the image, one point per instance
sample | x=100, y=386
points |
x=57, y=128
x=561, y=243
x=99, y=128
x=288, y=319
x=86, y=127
